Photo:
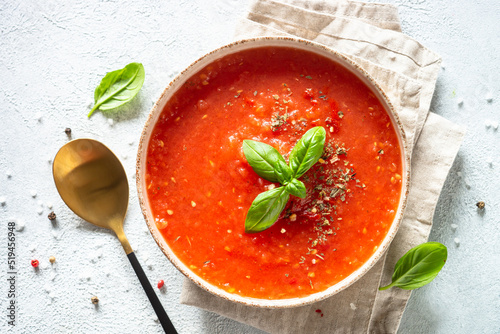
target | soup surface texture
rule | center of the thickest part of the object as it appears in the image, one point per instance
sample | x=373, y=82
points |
x=200, y=185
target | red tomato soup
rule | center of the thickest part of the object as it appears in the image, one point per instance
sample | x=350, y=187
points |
x=200, y=185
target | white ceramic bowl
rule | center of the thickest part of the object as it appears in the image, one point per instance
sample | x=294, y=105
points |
x=200, y=64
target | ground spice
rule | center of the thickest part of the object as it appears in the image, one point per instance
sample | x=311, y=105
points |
x=278, y=121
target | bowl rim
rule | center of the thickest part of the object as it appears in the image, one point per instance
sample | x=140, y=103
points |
x=258, y=42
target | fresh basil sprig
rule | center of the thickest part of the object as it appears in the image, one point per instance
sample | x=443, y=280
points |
x=419, y=266
x=269, y=164
x=118, y=87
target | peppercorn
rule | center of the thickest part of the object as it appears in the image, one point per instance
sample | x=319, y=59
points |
x=35, y=263
x=52, y=216
x=94, y=300
x=67, y=131
x=160, y=284
x=52, y=259
x=480, y=205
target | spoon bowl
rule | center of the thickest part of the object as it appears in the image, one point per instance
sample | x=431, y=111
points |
x=93, y=184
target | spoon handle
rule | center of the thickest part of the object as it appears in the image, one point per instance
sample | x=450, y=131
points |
x=153, y=298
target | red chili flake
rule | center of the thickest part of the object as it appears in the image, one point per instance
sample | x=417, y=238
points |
x=315, y=122
x=318, y=311
x=249, y=102
x=332, y=123
x=312, y=216
x=160, y=284
x=334, y=106
x=35, y=263
x=308, y=94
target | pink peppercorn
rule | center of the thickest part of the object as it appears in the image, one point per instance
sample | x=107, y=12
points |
x=160, y=284
x=35, y=263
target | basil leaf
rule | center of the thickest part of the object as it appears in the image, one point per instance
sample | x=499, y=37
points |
x=419, y=266
x=266, y=161
x=266, y=209
x=296, y=188
x=118, y=87
x=307, y=151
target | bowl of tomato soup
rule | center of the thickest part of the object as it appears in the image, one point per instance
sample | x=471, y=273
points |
x=195, y=185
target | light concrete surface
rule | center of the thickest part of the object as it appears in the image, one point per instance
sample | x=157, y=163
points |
x=52, y=56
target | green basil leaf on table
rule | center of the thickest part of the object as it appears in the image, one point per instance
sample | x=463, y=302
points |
x=118, y=87
x=266, y=209
x=307, y=151
x=266, y=161
x=419, y=266
x=296, y=188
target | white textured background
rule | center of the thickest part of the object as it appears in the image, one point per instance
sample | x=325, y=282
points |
x=52, y=56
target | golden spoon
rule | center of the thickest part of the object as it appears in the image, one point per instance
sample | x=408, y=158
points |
x=92, y=182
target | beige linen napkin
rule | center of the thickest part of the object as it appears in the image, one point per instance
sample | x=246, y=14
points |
x=407, y=71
